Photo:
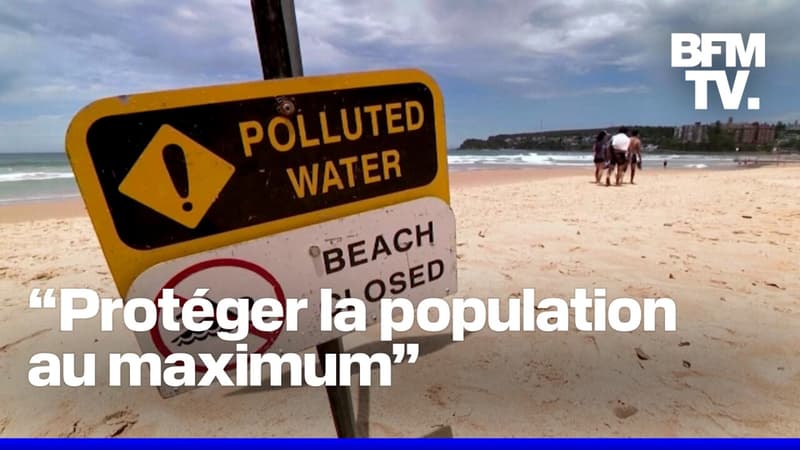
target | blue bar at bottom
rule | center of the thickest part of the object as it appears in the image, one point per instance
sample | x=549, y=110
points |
x=398, y=444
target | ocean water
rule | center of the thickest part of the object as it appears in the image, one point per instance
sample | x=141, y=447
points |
x=487, y=159
x=46, y=176
x=35, y=176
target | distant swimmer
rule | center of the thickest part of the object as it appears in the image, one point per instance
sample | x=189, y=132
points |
x=600, y=147
x=618, y=155
x=665, y=163
x=635, y=153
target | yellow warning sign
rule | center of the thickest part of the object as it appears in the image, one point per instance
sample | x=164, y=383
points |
x=173, y=173
x=177, y=177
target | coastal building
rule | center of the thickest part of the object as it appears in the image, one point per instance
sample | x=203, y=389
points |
x=754, y=133
x=697, y=133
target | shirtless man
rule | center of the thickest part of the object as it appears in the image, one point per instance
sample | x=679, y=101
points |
x=635, y=153
x=618, y=156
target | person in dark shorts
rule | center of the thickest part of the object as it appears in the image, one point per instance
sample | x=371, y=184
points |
x=600, y=149
x=618, y=156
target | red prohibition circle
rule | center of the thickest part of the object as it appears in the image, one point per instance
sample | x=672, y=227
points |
x=269, y=337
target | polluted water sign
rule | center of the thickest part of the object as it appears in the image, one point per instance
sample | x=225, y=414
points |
x=168, y=174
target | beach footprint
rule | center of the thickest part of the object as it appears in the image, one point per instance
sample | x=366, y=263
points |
x=623, y=410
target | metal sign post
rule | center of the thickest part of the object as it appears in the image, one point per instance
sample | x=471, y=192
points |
x=279, y=49
x=209, y=187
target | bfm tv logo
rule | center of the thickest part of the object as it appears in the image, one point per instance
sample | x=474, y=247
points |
x=693, y=50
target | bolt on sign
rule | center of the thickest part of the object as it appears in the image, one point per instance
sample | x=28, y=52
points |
x=174, y=173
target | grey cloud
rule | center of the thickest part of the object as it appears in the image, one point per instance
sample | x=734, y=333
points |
x=59, y=55
x=618, y=89
x=490, y=39
x=130, y=43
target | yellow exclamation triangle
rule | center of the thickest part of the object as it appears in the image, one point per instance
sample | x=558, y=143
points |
x=177, y=177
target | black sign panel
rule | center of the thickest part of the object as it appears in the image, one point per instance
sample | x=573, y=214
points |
x=285, y=153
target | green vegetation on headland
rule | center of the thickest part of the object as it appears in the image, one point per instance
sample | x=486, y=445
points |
x=561, y=139
x=716, y=137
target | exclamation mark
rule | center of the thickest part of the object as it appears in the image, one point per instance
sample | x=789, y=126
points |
x=175, y=160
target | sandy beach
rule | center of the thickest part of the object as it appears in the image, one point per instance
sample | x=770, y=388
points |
x=725, y=245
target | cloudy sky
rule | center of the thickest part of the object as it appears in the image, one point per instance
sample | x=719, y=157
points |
x=503, y=66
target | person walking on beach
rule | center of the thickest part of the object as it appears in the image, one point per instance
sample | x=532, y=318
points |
x=618, y=156
x=600, y=149
x=635, y=153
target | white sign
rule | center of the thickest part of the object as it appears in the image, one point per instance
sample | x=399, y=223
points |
x=405, y=250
